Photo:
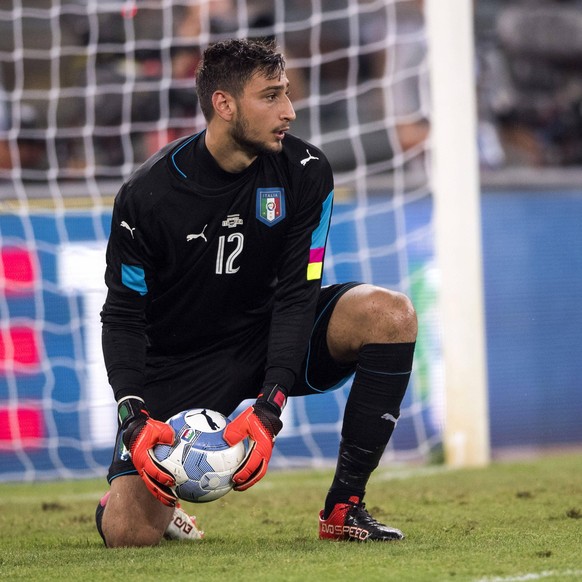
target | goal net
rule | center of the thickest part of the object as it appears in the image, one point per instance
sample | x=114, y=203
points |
x=88, y=90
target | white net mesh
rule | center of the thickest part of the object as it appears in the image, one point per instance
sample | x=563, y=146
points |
x=91, y=88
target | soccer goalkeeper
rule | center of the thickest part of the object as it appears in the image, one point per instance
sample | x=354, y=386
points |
x=214, y=269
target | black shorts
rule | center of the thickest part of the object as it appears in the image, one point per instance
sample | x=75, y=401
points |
x=191, y=381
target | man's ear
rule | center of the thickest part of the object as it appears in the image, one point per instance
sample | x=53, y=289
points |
x=224, y=104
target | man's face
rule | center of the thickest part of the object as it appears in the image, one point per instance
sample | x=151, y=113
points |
x=263, y=114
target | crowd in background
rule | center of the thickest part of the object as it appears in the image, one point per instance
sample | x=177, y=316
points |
x=528, y=78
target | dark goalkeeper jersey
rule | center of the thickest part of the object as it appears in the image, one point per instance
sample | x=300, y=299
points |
x=199, y=258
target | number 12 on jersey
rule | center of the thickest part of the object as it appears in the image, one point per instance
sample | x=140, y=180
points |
x=225, y=263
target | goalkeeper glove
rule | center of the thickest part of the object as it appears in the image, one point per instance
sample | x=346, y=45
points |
x=261, y=424
x=140, y=433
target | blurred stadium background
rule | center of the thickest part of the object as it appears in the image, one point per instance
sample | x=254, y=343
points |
x=89, y=89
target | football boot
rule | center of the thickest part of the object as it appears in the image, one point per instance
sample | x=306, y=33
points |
x=352, y=522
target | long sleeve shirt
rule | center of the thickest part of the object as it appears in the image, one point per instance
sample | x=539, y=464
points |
x=198, y=256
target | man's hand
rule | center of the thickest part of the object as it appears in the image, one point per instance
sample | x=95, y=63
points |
x=140, y=434
x=261, y=425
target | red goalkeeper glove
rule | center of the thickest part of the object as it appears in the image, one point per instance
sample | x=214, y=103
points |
x=261, y=424
x=140, y=434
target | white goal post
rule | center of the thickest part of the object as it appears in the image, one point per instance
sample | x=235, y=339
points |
x=457, y=224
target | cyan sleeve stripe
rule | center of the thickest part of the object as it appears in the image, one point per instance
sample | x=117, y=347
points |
x=133, y=277
x=320, y=233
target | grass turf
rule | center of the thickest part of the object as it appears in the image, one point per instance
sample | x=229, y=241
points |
x=507, y=522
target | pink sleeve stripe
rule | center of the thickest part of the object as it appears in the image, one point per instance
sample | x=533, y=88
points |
x=316, y=255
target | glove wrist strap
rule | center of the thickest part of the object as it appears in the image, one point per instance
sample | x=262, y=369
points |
x=274, y=396
x=129, y=408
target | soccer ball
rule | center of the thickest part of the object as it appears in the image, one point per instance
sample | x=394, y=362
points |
x=201, y=461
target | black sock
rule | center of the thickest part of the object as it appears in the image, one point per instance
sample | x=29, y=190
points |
x=354, y=467
x=99, y=521
x=372, y=409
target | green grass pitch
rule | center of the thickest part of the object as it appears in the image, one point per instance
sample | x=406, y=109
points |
x=507, y=522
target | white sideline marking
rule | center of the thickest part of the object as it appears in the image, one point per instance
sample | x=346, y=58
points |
x=534, y=576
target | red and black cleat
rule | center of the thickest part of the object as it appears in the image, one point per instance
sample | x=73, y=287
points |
x=350, y=521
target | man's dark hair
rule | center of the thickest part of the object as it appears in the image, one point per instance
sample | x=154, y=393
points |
x=230, y=65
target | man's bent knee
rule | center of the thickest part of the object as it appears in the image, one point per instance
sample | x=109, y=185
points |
x=395, y=314
x=368, y=314
x=132, y=516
